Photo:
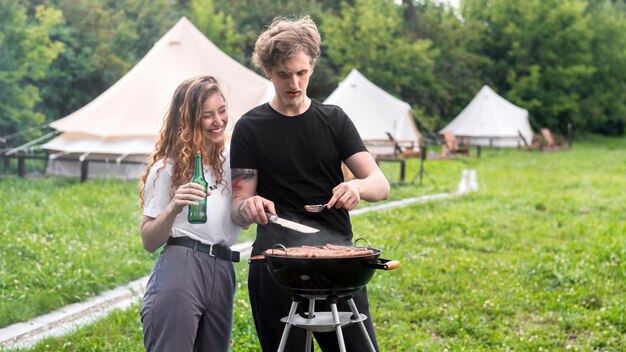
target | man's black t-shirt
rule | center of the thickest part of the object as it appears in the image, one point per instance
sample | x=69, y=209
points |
x=298, y=159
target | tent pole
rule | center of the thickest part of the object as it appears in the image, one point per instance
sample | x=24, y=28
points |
x=20, y=166
x=34, y=141
x=84, y=170
x=422, y=157
x=431, y=134
x=569, y=135
x=422, y=171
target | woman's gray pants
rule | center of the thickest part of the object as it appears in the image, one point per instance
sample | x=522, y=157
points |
x=188, y=304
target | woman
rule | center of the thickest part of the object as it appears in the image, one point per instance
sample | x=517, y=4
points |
x=188, y=303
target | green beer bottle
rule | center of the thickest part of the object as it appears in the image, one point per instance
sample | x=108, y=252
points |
x=197, y=213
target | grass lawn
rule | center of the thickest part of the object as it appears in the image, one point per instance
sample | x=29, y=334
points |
x=534, y=261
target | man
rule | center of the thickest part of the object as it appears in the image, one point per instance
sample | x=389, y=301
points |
x=288, y=153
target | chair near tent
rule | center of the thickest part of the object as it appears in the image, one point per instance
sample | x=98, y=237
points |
x=552, y=142
x=404, y=150
x=450, y=146
x=545, y=141
x=535, y=144
x=390, y=150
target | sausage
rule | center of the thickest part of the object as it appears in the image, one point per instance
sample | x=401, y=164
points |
x=327, y=251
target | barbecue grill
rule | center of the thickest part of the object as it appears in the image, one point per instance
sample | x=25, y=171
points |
x=324, y=278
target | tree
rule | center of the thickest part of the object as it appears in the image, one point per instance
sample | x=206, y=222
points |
x=252, y=17
x=27, y=52
x=458, y=70
x=369, y=36
x=103, y=41
x=540, y=54
x=603, y=102
x=217, y=26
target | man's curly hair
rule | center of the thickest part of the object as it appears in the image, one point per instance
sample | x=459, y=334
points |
x=285, y=38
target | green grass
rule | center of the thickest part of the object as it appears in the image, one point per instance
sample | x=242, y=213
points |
x=63, y=241
x=534, y=261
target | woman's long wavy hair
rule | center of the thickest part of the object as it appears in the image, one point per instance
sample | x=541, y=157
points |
x=182, y=135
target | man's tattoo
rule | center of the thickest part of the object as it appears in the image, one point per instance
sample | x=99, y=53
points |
x=241, y=176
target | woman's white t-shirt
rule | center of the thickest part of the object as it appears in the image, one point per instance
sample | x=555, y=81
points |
x=219, y=228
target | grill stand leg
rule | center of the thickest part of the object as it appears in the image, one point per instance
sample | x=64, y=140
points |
x=355, y=311
x=283, y=339
x=333, y=309
x=332, y=320
x=309, y=332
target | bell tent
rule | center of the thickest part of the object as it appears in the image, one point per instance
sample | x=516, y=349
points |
x=490, y=120
x=381, y=119
x=122, y=124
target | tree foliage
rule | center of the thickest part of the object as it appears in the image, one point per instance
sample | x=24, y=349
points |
x=253, y=16
x=102, y=42
x=369, y=36
x=217, y=26
x=26, y=52
x=458, y=66
x=603, y=103
x=563, y=60
x=540, y=56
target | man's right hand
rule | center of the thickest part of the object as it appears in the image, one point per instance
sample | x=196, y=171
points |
x=247, y=207
x=253, y=209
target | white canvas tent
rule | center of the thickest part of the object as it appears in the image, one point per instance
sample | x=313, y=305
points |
x=375, y=113
x=124, y=121
x=490, y=120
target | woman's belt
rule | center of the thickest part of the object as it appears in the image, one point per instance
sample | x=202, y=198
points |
x=214, y=250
